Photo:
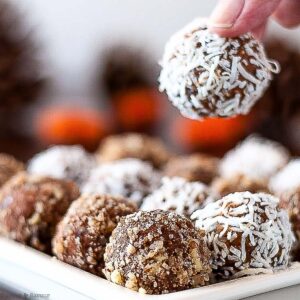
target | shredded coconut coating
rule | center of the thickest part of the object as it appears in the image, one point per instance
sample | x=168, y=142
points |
x=31, y=207
x=63, y=162
x=9, y=166
x=133, y=145
x=130, y=178
x=85, y=230
x=195, y=167
x=239, y=183
x=256, y=157
x=178, y=195
x=157, y=252
x=287, y=179
x=247, y=234
x=206, y=75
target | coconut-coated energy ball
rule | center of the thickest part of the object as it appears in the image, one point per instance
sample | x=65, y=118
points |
x=31, y=207
x=85, y=230
x=247, y=234
x=255, y=157
x=195, y=167
x=178, y=195
x=206, y=75
x=133, y=145
x=9, y=166
x=63, y=162
x=290, y=200
x=157, y=252
x=287, y=179
x=129, y=178
x=239, y=183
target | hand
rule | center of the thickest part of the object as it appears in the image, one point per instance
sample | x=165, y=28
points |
x=235, y=17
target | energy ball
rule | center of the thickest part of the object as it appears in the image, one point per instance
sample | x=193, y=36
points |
x=85, y=230
x=256, y=157
x=157, y=252
x=63, y=162
x=195, y=167
x=31, y=207
x=247, y=234
x=133, y=145
x=286, y=180
x=178, y=195
x=129, y=178
x=9, y=166
x=206, y=75
x=291, y=202
x=239, y=183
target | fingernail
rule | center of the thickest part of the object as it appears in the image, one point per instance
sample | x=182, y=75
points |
x=226, y=13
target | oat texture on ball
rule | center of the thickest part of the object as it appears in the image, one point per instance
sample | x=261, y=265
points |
x=178, y=195
x=63, y=162
x=247, y=233
x=84, y=232
x=9, y=166
x=194, y=167
x=157, y=252
x=238, y=183
x=129, y=178
x=256, y=158
x=133, y=145
x=206, y=75
x=31, y=207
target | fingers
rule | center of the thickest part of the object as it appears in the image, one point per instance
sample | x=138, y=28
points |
x=288, y=13
x=259, y=32
x=235, y=17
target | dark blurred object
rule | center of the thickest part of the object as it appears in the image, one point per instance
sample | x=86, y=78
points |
x=71, y=125
x=20, y=81
x=281, y=103
x=215, y=135
x=126, y=67
x=138, y=109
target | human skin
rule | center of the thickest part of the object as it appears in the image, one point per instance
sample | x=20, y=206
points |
x=234, y=17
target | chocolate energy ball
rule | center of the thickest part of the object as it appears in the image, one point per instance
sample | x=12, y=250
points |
x=287, y=179
x=157, y=252
x=9, y=166
x=195, y=167
x=255, y=157
x=63, y=162
x=247, y=234
x=290, y=201
x=206, y=75
x=129, y=178
x=31, y=206
x=239, y=183
x=84, y=232
x=178, y=195
x=133, y=145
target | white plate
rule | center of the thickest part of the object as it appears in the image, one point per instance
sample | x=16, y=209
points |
x=29, y=271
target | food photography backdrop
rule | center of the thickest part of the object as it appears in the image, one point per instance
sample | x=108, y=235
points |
x=75, y=71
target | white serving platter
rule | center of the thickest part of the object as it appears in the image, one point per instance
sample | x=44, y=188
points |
x=28, y=271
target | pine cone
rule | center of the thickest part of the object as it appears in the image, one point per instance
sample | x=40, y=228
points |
x=126, y=68
x=20, y=82
x=284, y=91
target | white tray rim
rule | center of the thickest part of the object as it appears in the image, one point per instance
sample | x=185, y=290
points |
x=96, y=288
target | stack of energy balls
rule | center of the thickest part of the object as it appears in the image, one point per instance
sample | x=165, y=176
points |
x=155, y=222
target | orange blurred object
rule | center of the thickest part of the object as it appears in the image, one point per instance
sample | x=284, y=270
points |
x=138, y=109
x=69, y=125
x=213, y=134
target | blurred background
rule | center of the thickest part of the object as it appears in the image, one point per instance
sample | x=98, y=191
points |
x=75, y=71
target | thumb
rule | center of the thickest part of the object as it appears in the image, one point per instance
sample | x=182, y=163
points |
x=235, y=17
